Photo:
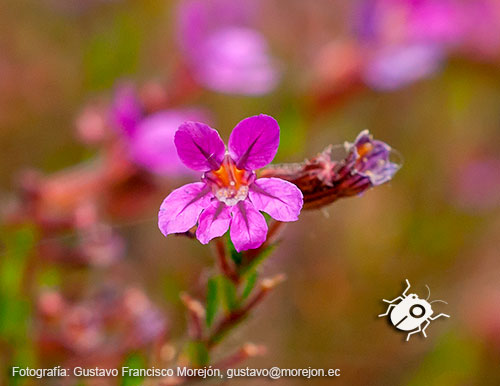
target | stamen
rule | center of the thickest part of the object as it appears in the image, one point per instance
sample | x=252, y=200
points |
x=231, y=196
x=229, y=184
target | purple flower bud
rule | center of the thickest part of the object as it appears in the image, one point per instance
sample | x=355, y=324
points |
x=323, y=180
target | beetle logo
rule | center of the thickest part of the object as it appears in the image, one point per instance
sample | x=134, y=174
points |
x=411, y=313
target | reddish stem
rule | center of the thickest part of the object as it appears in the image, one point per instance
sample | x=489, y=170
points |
x=224, y=265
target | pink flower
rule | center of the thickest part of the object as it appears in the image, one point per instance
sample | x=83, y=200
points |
x=408, y=40
x=150, y=137
x=223, y=49
x=229, y=195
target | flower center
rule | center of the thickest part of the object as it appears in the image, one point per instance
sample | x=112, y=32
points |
x=364, y=149
x=231, y=196
x=230, y=184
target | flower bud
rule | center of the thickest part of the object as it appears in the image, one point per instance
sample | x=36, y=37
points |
x=323, y=180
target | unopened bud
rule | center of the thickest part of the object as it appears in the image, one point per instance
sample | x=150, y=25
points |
x=271, y=282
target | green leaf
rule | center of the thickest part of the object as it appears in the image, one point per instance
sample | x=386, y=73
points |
x=15, y=307
x=18, y=244
x=15, y=312
x=249, y=285
x=229, y=292
x=197, y=353
x=212, y=301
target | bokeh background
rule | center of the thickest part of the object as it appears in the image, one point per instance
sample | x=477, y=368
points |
x=86, y=277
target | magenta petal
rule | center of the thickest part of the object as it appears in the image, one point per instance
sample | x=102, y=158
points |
x=281, y=199
x=213, y=222
x=248, y=227
x=397, y=66
x=179, y=212
x=237, y=62
x=126, y=110
x=254, y=142
x=199, y=146
x=152, y=145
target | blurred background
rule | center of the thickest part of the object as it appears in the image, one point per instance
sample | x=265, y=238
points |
x=91, y=92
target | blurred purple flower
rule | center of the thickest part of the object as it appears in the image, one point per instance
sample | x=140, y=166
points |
x=229, y=195
x=407, y=40
x=146, y=320
x=126, y=109
x=394, y=22
x=150, y=138
x=394, y=67
x=222, y=47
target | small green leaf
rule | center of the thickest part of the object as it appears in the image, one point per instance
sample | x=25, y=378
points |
x=250, y=283
x=197, y=353
x=212, y=301
x=229, y=290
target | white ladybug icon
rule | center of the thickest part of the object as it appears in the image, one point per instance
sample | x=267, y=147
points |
x=411, y=313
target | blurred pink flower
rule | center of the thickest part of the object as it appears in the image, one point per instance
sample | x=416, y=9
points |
x=101, y=246
x=112, y=320
x=482, y=36
x=222, y=47
x=81, y=329
x=407, y=40
x=91, y=124
x=150, y=138
x=477, y=184
x=394, y=67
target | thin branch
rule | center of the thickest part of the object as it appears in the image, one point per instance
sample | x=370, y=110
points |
x=248, y=350
x=196, y=315
x=223, y=262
